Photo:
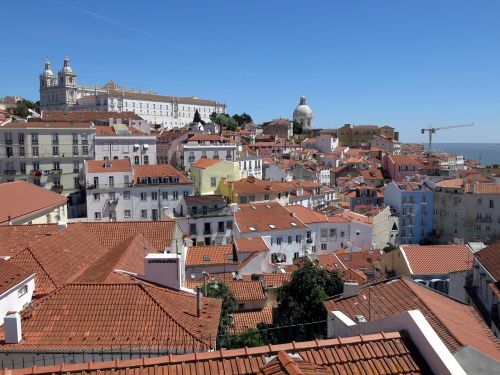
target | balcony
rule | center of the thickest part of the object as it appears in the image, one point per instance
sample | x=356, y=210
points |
x=57, y=189
x=34, y=142
x=9, y=171
x=56, y=172
x=207, y=232
x=36, y=173
x=8, y=141
x=225, y=211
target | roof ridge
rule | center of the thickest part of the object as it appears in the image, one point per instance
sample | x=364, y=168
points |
x=144, y=288
x=28, y=249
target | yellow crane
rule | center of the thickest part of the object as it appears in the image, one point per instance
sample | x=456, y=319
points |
x=432, y=130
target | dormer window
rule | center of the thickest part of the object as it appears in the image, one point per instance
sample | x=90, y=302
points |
x=206, y=258
x=144, y=180
x=272, y=226
x=252, y=229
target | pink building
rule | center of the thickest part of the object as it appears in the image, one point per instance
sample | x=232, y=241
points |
x=400, y=166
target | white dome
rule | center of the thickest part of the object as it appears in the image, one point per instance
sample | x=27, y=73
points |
x=302, y=110
x=67, y=69
x=48, y=73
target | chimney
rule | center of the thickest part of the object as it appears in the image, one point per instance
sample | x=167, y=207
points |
x=61, y=225
x=12, y=328
x=351, y=289
x=163, y=269
x=198, y=302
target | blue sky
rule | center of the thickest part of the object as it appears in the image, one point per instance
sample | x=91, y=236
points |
x=403, y=63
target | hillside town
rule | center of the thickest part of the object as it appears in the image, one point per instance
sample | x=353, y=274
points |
x=161, y=234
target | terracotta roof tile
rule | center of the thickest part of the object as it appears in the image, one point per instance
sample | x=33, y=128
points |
x=45, y=124
x=265, y=217
x=490, y=259
x=205, y=163
x=16, y=238
x=209, y=255
x=250, y=245
x=88, y=116
x=208, y=137
x=158, y=170
x=455, y=323
x=109, y=130
x=112, y=315
x=437, y=259
x=306, y=215
x=11, y=275
x=108, y=166
x=388, y=354
x=247, y=290
x=20, y=198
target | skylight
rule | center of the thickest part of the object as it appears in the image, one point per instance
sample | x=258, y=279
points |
x=272, y=226
x=252, y=229
x=206, y=258
x=293, y=224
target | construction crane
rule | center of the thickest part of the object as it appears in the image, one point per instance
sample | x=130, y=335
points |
x=432, y=130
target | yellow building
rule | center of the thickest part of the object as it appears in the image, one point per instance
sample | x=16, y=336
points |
x=207, y=174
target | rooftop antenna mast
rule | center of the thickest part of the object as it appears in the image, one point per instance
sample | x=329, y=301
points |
x=432, y=131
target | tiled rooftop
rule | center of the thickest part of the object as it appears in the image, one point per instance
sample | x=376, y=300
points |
x=11, y=275
x=158, y=170
x=205, y=163
x=246, y=290
x=209, y=255
x=250, y=245
x=21, y=198
x=437, y=259
x=490, y=259
x=244, y=320
x=384, y=353
x=108, y=166
x=16, y=238
x=455, y=323
x=133, y=315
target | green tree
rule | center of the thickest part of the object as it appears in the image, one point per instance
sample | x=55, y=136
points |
x=250, y=338
x=24, y=105
x=297, y=127
x=213, y=116
x=225, y=120
x=219, y=289
x=197, y=117
x=300, y=301
x=242, y=119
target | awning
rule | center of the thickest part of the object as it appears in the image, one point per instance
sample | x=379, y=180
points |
x=145, y=146
x=137, y=145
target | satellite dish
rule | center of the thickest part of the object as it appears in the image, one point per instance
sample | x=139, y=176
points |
x=193, y=276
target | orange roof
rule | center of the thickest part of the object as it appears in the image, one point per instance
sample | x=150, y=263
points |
x=87, y=116
x=486, y=188
x=44, y=124
x=205, y=163
x=208, y=137
x=271, y=280
x=131, y=315
x=265, y=217
x=457, y=324
x=11, y=275
x=60, y=258
x=244, y=320
x=108, y=166
x=109, y=130
x=247, y=290
x=250, y=245
x=372, y=174
x=490, y=259
x=437, y=259
x=306, y=215
x=159, y=170
x=251, y=185
x=20, y=199
x=387, y=353
x=16, y=238
x=455, y=183
x=209, y=255
x=353, y=216
x=402, y=159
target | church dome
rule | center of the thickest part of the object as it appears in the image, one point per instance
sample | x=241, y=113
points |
x=48, y=72
x=302, y=109
x=67, y=67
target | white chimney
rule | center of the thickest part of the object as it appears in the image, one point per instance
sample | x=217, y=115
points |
x=12, y=328
x=61, y=225
x=351, y=288
x=163, y=269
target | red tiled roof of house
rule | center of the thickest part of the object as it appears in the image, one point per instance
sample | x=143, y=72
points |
x=250, y=185
x=485, y=188
x=402, y=159
x=44, y=124
x=209, y=255
x=250, y=245
x=355, y=275
x=127, y=256
x=372, y=174
x=437, y=259
x=272, y=280
x=353, y=216
x=244, y=320
x=387, y=353
x=247, y=290
x=16, y=238
x=109, y=130
x=11, y=275
x=306, y=215
x=457, y=324
x=455, y=183
x=108, y=166
x=265, y=217
x=131, y=315
x=205, y=163
x=159, y=234
x=60, y=258
x=490, y=259
x=88, y=116
x=331, y=262
x=158, y=170
x=21, y=198
x=365, y=260
x=208, y=137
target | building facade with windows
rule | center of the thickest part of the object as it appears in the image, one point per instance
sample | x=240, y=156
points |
x=120, y=191
x=250, y=166
x=209, y=146
x=63, y=93
x=47, y=154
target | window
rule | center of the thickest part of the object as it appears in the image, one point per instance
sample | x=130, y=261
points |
x=186, y=193
x=298, y=238
x=97, y=197
x=55, y=139
x=221, y=228
x=243, y=199
x=56, y=165
x=207, y=229
x=126, y=195
x=20, y=138
x=324, y=234
x=279, y=240
x=213, y=181
x=290, y=240
x=85, y=139
x=175, y=195
x=34, y=151
x=333, y=232
x=492, y=203
x=154, y=196
x=229, y=225
x=342, y=234
x=192, y=229
x=75, y=138
x=111, y=181
x=144, y=197
x=36, y=166
x=126, y=213
x=22, y=291
x=75, y=150
x=323, y=246
x=76, y=167
x=97, y=215
x=136, y=159
x=85, y=150
x=164, y=195
x=23, y=167
x=144, y=214
x=295, y=255
x=266, y=197
x=34, y=138
x=21, y=151
x=146, y=159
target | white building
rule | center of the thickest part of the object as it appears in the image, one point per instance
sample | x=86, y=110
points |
x=209, y=146
x=324, y=143
x=118, y=191
x=303, y=114
x=250, y=166
x=124, y=142
x=63, y=93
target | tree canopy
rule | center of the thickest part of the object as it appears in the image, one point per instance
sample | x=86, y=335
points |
x=225, y=120
x=23, y=106
x=242, y=119
x=301, y=299
x=197, y=117
x=297, y=127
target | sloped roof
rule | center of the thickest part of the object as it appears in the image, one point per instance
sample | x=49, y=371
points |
x=244, y=320
x=209, y=255
x=437, y=259
x=108, y=166
x=159, y=170
x=455, y=323
x=246, y=290
x=490, y=259
x=306, y=215
x=250, y=245
x=88, y=116
x=11, y=275
x=205, y=162
x=114, y=315
x=21, y=198
x=387, y=353
x=16, y=238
